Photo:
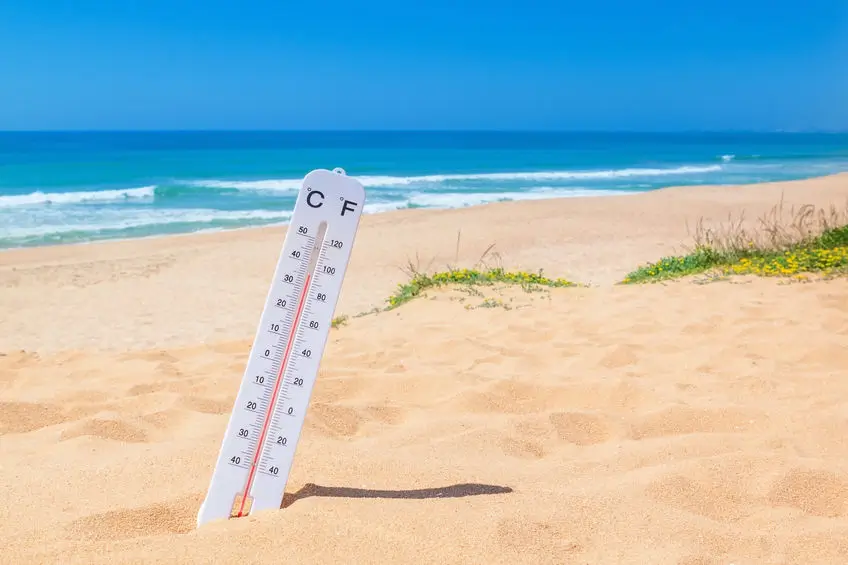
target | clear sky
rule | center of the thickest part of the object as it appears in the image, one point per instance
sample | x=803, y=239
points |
x=444, y=64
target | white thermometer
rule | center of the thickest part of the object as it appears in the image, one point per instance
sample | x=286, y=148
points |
x=259, y=444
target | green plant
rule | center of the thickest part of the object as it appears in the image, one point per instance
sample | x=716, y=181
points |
x=419, y=282
x=812, y=240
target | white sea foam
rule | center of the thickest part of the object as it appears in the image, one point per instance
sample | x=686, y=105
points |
x=379, y=207
x=460, y=200
x=475, y=198
x=289, y=185
x=537, y=175
x=39, y=198
x=273, y=185
x=128, y=219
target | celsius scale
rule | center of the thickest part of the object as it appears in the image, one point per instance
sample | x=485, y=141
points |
x=259, y=444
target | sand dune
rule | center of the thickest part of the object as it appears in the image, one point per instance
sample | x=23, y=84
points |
x=681, y=423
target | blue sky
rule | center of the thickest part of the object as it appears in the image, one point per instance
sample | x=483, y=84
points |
x=599, y=64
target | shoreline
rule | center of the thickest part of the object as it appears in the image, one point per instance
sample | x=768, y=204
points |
x=216, y=281
x=397, y=212
x=206, y=231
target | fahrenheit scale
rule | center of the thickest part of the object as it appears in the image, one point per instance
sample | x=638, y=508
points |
x=256, y=455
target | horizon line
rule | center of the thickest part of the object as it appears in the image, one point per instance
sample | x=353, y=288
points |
x=427, y=130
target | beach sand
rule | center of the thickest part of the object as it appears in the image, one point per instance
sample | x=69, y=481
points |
x=678, y=423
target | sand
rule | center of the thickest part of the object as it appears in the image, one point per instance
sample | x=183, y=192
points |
x=678, y=423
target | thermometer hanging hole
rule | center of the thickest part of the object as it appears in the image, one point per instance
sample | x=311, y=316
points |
x=339, y=171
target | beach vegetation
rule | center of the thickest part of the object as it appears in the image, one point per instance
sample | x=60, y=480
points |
x=487, y=271
x=420, y=282
x=339, y=321
x=808, y=240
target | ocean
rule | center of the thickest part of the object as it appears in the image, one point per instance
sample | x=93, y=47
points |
x=71, y=187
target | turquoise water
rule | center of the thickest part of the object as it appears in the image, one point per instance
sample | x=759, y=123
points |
x=77, y=187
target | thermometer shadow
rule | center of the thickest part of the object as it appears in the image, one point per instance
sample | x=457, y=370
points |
x=453, y=491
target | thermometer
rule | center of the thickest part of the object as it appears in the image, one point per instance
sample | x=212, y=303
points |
x=259, y=443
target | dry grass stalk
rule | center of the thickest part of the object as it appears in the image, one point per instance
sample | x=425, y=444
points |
x=489, y=259
x=774, y=231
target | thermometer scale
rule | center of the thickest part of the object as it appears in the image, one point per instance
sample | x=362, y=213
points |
x=259, y=444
